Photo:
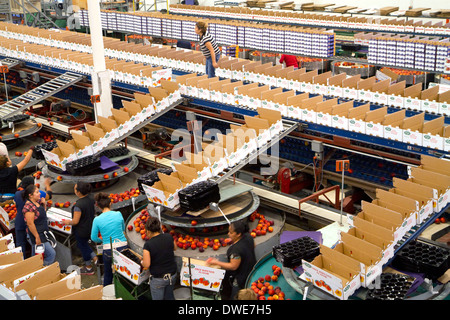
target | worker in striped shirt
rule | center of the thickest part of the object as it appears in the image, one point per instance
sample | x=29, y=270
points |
x=209, y=48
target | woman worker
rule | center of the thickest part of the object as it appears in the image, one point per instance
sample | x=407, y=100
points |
x=209, y=48
x=241, y=259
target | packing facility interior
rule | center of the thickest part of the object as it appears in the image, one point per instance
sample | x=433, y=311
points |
x=339, y=163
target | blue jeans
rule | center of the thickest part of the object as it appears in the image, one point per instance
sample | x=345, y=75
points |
x=21, y=241
x=86, y=251
x=210, y=70
x=162, y=288
x=107, y=265
x=49, y=253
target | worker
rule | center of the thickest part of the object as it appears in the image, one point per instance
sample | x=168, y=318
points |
x=35, y=215
x=9, y=173
x=241, y=259
x=20, y=226
x=289, y=60
x=83, y=214
x=158, y=255
x=209, y=48
x=111, y=227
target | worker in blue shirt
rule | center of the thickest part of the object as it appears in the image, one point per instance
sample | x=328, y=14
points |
x=107, y=228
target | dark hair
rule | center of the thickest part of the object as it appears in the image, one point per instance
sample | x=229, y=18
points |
x=83, y=187
x=153, y=224
x=3, y=162
x=26, y=181
x=240, y=226
x=103, y=200
x=29, y=190
x=202, y=26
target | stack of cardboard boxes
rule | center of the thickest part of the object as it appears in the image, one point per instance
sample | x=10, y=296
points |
x=363, y=251
x=39, y=282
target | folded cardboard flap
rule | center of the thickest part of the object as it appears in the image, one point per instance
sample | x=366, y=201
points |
x=94, y=133
x=430, y=94
x=325, y=106
x=213, y=152
x=359, y=113
x=308, y=76
x=261, y=68
x=19, y=269
x=295, y=75
x=197, y=160
x=230, y=87
x=217, y=85
x=342, y=109
x=438, y=180
x=251, y=66
x=376, y=229
x=337, y=79
x=59, y=289
x=366, y=84
x=183, y=177
x=183, y=78
x=373, y=217
x=243, y=133
x=444, y=97
x=271, y=71
x=394, y=119
x=47, y=275
x=371, y=237
x=435, y=126
x=92, y=293
x=296, y=101
x=191, y=81
x=387, y=214
x=392, y=200
x=64, y=149
x=183, y=169
x=272, y=116
x=268, y=95
x=120, y=116
x=144, y=100
x=338, y=255
x=132, y=108
x=358, y=249
x=256, y=92
x=283, y=73
x=413, y=91
x=417, y=191
x=170, y=179
x=414, y=123
x=257, y=123
x=351, y=82
x=204, y=83
x=377, y=115
x=245, y=88
x=322, y=78
x=345, y=273
x=282, y=97
x=435, y=164
x=80, y=141
x=310, y=103
x=397, y=88
x=10, y=258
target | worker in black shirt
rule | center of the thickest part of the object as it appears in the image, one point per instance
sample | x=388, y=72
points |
x=158, y=255
x=9, y=173
x=241, y=259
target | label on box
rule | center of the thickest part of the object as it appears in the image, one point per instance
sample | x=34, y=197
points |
x=393, y=133
x=433, y=141
x=309, y=115
x=357, y=126
x=412, y=137
x=203, y=277
x=374, y=129
x=323, y=119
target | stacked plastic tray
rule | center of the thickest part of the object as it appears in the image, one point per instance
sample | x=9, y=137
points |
x=151, y=177
x=115, y=152
x=393, y=286
x=199, y=195
x=420, y=257
x=291, y=253
x=83, y=166
x=48, y=146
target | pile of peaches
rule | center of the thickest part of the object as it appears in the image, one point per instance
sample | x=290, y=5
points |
x=264, y=286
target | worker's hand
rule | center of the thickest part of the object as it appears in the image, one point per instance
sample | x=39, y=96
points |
x=215, y=65
x=38, y=240
x=47, y=181
x=211, y=261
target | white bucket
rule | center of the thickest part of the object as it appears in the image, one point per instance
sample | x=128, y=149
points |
x=109, y=292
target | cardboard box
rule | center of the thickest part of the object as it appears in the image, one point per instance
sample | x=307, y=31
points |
x=55, y=217
x=131, y=271
x=423, y=194
x=19, y=269
x=68, y=285
x=92, y=293
x=439, y=182
x=39, y=278
x=338, y=277
x=61, y=155
x=203, y=276
x=408, y=207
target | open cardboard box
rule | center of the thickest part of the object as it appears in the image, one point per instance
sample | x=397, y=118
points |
x=334, y=273
x=217, y=157
x=163, y=192
x=386, y=217
x=374, y=120
x=423, y=194
x=61, y=155
x=439, y=182
x=129, y=269
x=433, y=133
x=392, y=123
x=20, y=269
x=82, y=144
x=323, y=111
x=408, y=207
x=368, y=254
x=147, y=103
x=200, y=163
x=204, y=276
x=339, y=115
x=55, y=218
x=92, y=293
x=231, y=145
x=412, y=129
x=412, y=97
x=356, y=118
x=248, y=136
x=435, y=164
